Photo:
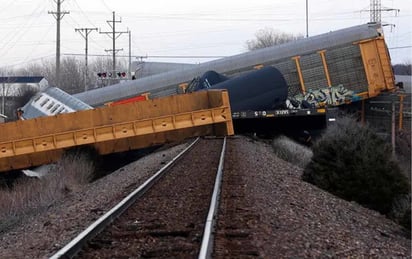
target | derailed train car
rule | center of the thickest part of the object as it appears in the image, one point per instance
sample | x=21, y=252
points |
x=329, y=69
x=307, y=76
x=51, y=101
x=264, y=89
x=259, y=103
x=291, y=81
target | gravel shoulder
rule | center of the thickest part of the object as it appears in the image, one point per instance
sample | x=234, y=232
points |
x=295, y=219
x=299, y=220
x=41, y=235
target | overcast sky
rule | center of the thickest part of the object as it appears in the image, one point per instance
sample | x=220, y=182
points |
x=182, y=28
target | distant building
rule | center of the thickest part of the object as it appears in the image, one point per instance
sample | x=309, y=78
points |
x=11, y=85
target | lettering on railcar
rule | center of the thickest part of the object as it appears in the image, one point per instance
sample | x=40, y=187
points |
x=260, y=113
x=282, y=112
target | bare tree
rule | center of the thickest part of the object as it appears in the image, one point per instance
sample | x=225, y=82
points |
x=17, y=97
x=72, y=72
x=403, y=69
x=72, y=75
x=45, y=69
x=24, y=93
x=269, y=37
x=6, y=71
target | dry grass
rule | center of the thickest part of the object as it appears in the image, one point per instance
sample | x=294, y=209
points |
x=30, y=196
x=291, y=151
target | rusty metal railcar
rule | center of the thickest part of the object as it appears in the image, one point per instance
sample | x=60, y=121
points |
x=111, y=129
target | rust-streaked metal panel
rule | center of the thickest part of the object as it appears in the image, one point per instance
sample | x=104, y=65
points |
x=325, y=66
x=386, y=64
x=113, y=129
x=377, y=66
x=299, y=69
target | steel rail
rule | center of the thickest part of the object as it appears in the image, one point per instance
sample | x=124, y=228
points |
x=207, y=241
x=74, y=246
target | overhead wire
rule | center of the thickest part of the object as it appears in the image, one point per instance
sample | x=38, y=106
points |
x=21, y=26
x=35, y=46
x=72, y=21
x=14, y=39
x=6, y=6
x=84, y=14
x=107, y=7
x=27, y=61
x=282, y=16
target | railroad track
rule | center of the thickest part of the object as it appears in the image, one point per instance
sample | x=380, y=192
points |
x=170, y=215
x=236, y=220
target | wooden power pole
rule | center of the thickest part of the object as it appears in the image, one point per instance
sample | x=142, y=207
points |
x=58, y=15
x=114, y=35
x=85, y=34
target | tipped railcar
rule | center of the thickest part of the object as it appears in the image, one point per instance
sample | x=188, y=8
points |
x=329, y=69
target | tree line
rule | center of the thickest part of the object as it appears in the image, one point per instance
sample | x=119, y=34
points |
x=72, y=72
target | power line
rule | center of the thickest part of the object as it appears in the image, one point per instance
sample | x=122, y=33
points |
x=28, y=61
x=36, y=45
x=20, y=31
x=107, y=7
x=402, y=47
x=4, y=7
x=157, y=56
x=75, y=5
x=84, y=14
x=146, y=56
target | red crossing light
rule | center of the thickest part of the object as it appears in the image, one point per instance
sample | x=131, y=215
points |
x=121, y=74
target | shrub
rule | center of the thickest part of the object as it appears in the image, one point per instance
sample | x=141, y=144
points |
x=292, y=152
x=401, y=210
x=353, y=163
x=403, y=151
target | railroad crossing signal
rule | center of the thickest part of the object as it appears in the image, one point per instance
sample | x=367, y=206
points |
x=121, y=74
x=110, y=74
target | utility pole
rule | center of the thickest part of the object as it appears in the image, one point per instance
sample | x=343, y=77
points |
x=307, y=20
x=85, y=34
x=113, y=35
x=3, y=99
x=393, y=129
x=58, y=15
x=129, y=72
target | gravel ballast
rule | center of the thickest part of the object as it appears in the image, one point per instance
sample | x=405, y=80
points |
x=294, y=219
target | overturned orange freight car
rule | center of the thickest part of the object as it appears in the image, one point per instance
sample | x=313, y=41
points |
x=117, y=128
